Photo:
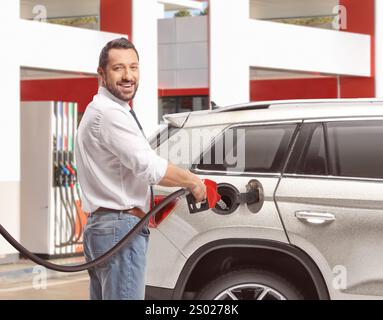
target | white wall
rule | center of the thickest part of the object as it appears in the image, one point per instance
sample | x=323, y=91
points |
x=52, y=46
x=229, y=68
x=145, y=39
x=284, y=46
x=9, y=123
x=183, y=52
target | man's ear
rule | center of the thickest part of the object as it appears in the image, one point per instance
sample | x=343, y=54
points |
x=101, y=75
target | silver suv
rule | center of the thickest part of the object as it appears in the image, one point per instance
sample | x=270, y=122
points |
x=301, y=215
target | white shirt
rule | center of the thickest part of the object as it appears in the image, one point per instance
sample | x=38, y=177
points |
x=115, y=162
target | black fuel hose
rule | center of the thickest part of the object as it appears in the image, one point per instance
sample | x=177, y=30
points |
x=126, y=239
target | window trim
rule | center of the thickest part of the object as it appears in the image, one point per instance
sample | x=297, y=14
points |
x=331, y=177
x=236, y=173
x=329, y=168
x=301, y=143
x=334, y=119
x=298, y=122
x=306, y=145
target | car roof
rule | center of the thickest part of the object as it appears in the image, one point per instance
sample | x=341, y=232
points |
x=279, y=110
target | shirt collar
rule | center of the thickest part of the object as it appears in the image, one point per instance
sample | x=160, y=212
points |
x=105, y=92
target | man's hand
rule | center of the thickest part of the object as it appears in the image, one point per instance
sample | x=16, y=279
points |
x=199, y=190
x=178, y=177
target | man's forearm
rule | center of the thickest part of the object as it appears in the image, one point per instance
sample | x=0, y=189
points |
x=178, y=177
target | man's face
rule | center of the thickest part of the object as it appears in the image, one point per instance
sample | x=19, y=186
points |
x=122, y=73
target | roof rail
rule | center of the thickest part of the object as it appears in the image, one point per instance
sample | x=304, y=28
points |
x=179, y=119
x=241, y=107
x=268, y=104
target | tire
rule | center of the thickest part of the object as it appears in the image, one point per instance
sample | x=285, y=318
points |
x=250, y=284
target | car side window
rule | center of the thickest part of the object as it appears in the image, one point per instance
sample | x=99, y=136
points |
x=356, y=148
x=260, y=148
x=314, y=157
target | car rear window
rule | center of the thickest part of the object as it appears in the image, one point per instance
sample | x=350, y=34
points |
x=183, y=146
x=356, y=148
x=261, y=148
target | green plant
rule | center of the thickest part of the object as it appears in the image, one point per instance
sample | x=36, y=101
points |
x=182, y=13
x=204, y=12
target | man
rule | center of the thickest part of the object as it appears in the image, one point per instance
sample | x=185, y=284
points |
x=116, y=166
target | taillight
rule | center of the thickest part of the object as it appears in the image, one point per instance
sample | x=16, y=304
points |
x=162, y=214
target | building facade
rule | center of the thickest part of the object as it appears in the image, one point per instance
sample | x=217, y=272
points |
x=240, y=50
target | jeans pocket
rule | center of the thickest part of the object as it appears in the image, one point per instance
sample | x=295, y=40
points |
x=133, y=221
x=99, y=241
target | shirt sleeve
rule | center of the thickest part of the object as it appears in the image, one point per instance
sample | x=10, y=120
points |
x=121, y=136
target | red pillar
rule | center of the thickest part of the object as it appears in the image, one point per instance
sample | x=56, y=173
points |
x=286, y=89
x=360, y=19
x=116, y=16
x=80, y=90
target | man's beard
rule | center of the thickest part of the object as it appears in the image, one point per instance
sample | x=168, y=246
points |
x=113, y=90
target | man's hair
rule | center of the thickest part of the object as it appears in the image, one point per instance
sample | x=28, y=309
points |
x=120, y=43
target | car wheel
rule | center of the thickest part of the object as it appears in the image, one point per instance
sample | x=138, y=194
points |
x=249, y=284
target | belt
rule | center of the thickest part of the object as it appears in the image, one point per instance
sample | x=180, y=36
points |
x=133, y=211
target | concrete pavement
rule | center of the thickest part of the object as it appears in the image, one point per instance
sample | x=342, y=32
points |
x=25, y=280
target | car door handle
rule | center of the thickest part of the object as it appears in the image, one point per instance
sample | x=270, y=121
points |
x=315, y=217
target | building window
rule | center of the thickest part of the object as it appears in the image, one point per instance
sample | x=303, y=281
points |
x=181, y=104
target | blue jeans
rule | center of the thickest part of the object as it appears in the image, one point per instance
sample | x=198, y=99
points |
x=123, y=275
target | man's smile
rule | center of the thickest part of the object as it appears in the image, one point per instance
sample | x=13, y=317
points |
x=126, y=86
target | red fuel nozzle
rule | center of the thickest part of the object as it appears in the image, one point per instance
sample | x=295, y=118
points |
x=212, y=197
